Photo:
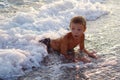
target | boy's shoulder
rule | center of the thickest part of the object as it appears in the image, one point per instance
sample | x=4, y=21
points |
x=67, y=35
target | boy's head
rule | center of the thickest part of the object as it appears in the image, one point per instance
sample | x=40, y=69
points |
x=77, y=26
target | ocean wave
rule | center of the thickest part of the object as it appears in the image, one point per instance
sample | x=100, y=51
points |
x=19, y=48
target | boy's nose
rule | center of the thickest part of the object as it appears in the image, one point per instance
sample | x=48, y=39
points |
x=76, y=33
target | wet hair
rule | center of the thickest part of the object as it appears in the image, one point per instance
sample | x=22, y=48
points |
x=78, y=20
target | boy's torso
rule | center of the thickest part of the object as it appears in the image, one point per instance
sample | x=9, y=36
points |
x=66, y=40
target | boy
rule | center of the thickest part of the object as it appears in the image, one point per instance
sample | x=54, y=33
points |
x=68, y=42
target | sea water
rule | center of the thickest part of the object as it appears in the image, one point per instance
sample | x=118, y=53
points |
x=24, y=22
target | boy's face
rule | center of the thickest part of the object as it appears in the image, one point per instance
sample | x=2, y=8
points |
x=77, y=29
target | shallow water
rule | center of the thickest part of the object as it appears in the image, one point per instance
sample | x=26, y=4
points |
x=103, y=36
x=19, y=42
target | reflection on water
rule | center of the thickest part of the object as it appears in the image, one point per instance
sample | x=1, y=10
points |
x=80, y=75
x=77, y=77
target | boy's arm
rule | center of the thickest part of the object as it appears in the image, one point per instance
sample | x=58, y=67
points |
x=82, y=48
x=81, y=45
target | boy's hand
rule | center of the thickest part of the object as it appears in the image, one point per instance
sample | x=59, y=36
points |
x=93, y=54
x=85, y=60
x=81, y=57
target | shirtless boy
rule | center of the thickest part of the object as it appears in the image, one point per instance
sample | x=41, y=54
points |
x=69, y=41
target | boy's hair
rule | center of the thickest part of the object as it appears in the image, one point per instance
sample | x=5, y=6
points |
x=78, y=19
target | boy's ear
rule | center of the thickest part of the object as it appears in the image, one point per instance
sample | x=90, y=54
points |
x=84, y=28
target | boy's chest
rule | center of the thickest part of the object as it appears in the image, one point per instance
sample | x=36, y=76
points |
x=72, y=43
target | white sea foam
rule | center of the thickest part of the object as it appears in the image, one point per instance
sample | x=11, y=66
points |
x=19, y=35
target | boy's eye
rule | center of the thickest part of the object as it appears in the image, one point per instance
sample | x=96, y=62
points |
x=73, y=28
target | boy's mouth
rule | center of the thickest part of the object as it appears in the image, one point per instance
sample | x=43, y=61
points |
x=76, y=36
